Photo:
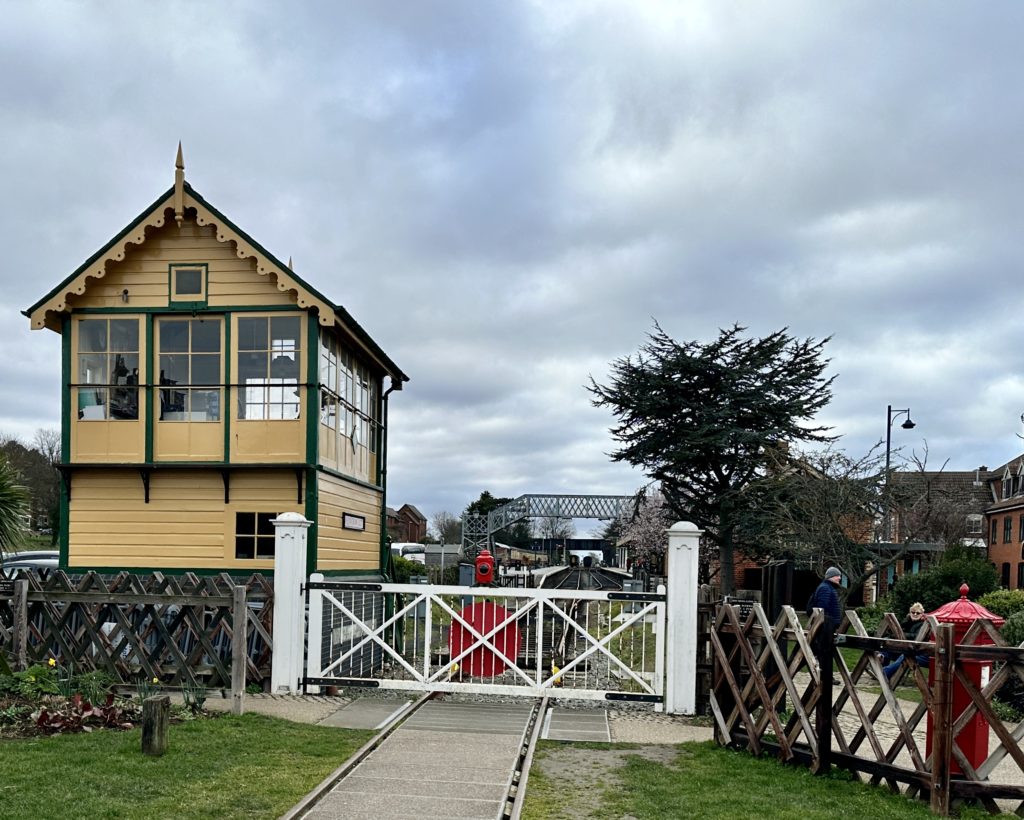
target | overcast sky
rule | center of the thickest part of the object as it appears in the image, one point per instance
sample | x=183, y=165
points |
x=506, y=195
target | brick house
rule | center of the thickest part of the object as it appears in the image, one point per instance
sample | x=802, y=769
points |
x=406, y=524
x=1004, y=522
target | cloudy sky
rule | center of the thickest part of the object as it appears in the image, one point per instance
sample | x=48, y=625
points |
x=507, y=194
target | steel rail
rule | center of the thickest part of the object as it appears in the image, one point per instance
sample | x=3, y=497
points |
x=521, y=774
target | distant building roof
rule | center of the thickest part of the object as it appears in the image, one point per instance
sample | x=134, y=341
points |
x=414, y=511
x=966, y=487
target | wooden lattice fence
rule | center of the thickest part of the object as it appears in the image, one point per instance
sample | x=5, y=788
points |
x=772, y=692
x=185, y=630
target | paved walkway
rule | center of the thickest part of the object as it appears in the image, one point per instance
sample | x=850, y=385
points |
x=449, y=760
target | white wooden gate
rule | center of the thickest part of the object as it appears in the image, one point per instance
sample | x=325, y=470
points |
x=594, y=645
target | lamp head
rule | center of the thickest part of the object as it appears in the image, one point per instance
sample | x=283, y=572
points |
x=908, y=424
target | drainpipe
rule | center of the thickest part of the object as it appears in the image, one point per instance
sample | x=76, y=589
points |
x=382, y=475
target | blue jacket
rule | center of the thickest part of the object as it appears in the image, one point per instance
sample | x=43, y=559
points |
x=827, y=598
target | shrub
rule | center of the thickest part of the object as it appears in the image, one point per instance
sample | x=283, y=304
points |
x=1013, y=629
x=871, y=615
x=1003, y=602
x=403, y=569
x=941, y=582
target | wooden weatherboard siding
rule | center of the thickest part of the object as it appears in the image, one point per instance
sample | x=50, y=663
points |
x=185, y=525
x=338, y=548
x=144, y=272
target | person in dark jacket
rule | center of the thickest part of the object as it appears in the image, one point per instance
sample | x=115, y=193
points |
x=826, y=598
x=910, y=626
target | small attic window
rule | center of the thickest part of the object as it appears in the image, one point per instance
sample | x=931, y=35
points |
x=188, y=283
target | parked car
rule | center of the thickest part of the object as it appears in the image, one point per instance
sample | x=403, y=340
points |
x=410, y=551
x=30, y=559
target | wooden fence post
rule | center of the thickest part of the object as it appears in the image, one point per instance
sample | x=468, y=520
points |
x=823, y=647
x=942, y=718
x=20, y=606
x=239, y=649
x=156, y=712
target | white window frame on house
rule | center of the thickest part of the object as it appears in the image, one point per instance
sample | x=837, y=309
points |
x=975, y=523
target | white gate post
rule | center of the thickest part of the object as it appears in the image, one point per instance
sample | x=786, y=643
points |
x=681, y=640
x=290, y=533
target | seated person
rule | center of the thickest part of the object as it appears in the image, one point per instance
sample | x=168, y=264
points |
x=910, y=629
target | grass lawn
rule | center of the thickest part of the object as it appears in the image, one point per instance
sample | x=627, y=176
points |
x=570, y=781
x=246, y=766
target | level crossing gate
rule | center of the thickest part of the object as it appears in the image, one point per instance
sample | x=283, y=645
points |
x=585, y=644
x=589, y=644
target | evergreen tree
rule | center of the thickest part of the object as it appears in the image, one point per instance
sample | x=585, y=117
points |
x=702, y=418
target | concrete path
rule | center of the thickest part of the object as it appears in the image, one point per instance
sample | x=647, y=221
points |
x=575, y=724
x=449, y=760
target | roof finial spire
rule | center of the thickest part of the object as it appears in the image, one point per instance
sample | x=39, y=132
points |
x=290, y=266
x=179, y=187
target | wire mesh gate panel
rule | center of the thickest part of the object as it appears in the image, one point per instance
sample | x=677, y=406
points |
x=590, y=645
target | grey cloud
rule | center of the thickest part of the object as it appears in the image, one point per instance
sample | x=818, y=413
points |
x=505, y=195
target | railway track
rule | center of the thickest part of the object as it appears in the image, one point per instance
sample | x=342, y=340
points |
x=508, y=805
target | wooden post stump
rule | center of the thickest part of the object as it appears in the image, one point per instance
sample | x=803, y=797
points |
x=156, y=713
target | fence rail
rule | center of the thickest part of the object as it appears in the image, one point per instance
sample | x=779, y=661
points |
x=772, y=692
x=187, y=630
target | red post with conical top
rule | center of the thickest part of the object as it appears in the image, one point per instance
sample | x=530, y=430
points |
x=973, y=738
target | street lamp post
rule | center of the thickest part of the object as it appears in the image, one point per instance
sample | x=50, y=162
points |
x=890, y=417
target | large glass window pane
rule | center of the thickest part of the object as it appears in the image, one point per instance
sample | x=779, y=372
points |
x=92, y=403
x=284, y=366
x=284, y=331
x=205, y=336
x=252, y=334
x=206, y=368
x=188, y=281
x=245, y=546
x=92, y=335
x=92, y=369
x=124, y=335
x=174, y=369
x=205, y=405
x=173, y=336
